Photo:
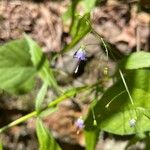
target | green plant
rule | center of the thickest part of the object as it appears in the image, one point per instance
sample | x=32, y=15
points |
x=123, y=109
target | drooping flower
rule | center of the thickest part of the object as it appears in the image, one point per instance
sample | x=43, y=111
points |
x=79, y=123
x=80, y=54
x=132, y=122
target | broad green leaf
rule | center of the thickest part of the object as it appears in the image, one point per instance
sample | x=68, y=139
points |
x=41, y=63
x=136, y=60
x=40, y=96
x=73, y=14
x=16, y=69
x=88, y=5
x=67, y=14
x=81, y=25
x=91, y=138
x=147, y=113
x=1, y=146
x=114, y=110
x=71, y=11
x=46, y=141
x=92, y=134
x=80, y=28
x=146, y=140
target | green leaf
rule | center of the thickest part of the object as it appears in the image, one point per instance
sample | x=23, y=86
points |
x=80, y=28
x=71, y=11
x=16, y=69
x=81, y=25
x=67, y=15
x=1, y=146
x=41, y=63
x=92, y=134
x=114, y=110
x=147, y=113
x=91, y=138
x=88, y=5
x=46, y=141
x=136, y=60
x=40, y=96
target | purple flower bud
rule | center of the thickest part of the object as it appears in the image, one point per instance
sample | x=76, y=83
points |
x=80, y=54
x=132, y=122
x=79, y=123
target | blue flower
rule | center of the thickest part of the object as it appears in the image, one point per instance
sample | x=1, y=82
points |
x=80, y=54
x=79, y=123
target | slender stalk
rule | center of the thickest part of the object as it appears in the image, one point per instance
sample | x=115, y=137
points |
x=121, y=74
x=66, y=95
x=106, y=50
x=18, y=121
x=107, y=105
x=126, y=87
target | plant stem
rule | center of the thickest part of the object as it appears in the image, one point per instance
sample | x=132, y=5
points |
x=126, y=87
x=18, y=121
x=66, y=95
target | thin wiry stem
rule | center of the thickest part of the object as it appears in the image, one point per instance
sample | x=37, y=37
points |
x=126, y=87
x=107, y=105
x=106, y=50
x=121, y=74
x=94, y=118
